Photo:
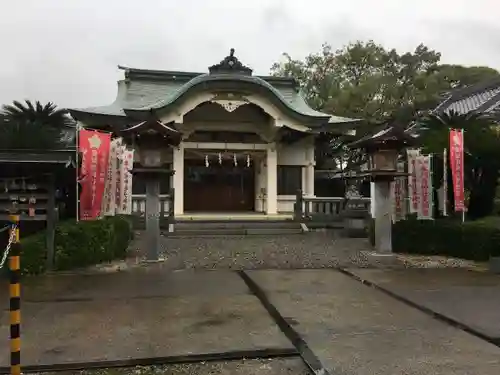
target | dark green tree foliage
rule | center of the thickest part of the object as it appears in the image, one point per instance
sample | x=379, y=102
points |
x=481, y=154
x=33, y=126
x=367, y=81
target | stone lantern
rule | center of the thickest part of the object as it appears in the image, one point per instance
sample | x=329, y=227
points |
x=383, y=149
x=151, y=138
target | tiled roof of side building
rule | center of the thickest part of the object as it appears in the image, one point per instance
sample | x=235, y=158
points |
x=482, y=97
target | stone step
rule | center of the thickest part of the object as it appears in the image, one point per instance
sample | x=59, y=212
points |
x=237, y=225
x=232, y=232
x=234, y=229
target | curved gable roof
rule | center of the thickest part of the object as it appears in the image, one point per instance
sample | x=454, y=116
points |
x=146, y=90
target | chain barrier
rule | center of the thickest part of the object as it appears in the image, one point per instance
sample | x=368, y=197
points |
x=12, y=237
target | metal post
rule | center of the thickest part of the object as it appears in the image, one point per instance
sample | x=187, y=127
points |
x=15, y=300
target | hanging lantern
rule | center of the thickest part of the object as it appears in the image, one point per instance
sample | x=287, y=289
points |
x=220, y=158
x=248, y=160
x=206, y=161
x=235, y=159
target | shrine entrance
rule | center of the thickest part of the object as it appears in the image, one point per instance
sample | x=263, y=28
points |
x=218, y=187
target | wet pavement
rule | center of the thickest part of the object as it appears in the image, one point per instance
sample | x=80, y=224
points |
x=468, y=297
x=154, y=311
x=146, y=312
x=355, y=329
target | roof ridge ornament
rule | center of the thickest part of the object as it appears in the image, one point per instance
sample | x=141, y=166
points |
x=230, y=64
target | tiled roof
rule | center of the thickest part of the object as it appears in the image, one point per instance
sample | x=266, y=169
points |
x=483, y=97
x=144, y=90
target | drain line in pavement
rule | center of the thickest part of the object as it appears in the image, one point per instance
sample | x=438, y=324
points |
x=307, y=355
x=426, y=310
x=157, y=361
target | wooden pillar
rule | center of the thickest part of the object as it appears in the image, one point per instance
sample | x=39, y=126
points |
x=272, y=180
x=178, y=179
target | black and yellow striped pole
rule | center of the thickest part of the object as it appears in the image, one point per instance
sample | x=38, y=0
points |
x=15, y=299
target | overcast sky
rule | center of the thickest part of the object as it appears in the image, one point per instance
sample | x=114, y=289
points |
x=67, y=51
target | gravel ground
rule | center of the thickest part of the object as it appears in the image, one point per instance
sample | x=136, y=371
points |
x=435, y=261
x=287, y=366
x=312, y=250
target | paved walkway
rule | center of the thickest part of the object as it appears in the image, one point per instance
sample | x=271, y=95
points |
x=146, y=312
x=468, y=297
x=153, y=311
x=355, y=329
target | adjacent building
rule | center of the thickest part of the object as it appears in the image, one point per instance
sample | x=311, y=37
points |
x=483, y=97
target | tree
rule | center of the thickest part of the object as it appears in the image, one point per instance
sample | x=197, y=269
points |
x=28, y=126
x=361, y=80
x=481, y=154
x=367, y=81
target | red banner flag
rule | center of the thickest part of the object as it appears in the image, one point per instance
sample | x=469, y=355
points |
x=94, y=148
x=457, y=167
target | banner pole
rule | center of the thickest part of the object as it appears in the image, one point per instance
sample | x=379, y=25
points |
x=77, y=156
x=462, y=171
x=445, y=182
x=431, y=188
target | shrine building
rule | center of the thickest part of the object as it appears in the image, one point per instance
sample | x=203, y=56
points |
x=246, y=141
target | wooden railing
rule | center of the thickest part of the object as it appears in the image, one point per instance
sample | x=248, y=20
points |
x=327, y=209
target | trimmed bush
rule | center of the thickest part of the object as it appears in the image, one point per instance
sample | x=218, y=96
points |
x=474, y=240
x=78, y=244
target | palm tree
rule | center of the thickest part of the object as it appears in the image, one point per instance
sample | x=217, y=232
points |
x=28, y=126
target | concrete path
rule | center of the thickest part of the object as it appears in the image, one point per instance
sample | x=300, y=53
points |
x=146, y=312
x=468, y=297
x=355, y=329
x=152, y=311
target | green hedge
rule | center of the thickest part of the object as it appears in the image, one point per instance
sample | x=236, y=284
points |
x=78, y=244
x=474, y=240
